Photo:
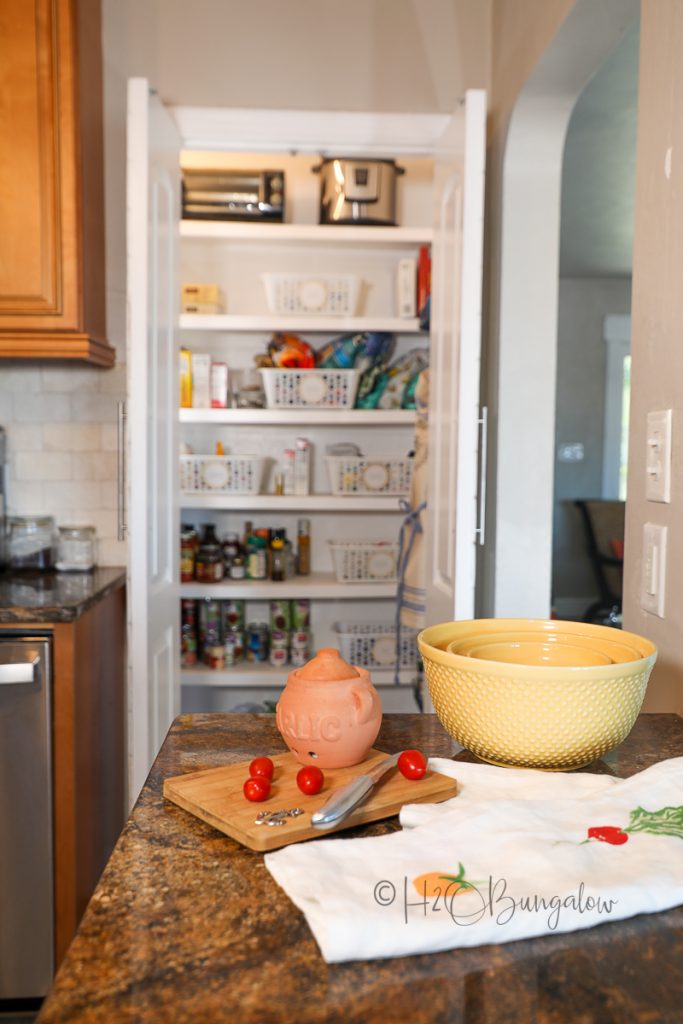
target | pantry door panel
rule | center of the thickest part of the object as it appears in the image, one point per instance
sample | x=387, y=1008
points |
x=153, y=211
x=454, y=412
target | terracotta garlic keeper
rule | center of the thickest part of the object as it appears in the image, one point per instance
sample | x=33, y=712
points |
x=329, y=713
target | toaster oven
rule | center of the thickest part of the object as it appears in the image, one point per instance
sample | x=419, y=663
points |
x=233, y=195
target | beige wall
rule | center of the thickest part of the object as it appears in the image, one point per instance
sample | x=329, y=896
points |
x=520, y=32
x=383, y=55
x=657, y=329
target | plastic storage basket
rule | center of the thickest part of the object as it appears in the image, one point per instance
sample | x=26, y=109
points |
x=221, y=474
x=310, y=389
x=312, y=294
x=373, y=644
x=364, y=561
x=351, y=474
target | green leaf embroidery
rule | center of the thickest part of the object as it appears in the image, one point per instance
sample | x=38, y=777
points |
x=666, y=822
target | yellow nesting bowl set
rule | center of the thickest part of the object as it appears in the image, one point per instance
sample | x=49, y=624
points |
x=533, y=693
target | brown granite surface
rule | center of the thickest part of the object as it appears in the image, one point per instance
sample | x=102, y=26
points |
x=54, y=596
x=188, y=927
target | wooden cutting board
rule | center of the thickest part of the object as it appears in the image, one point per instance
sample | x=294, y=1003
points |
x=215, y=795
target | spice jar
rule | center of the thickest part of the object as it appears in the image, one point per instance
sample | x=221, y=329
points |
x=32, y=543
x=189, y=542
x=76, y=549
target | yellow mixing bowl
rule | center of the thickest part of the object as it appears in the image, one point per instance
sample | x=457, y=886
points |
x=533, y=693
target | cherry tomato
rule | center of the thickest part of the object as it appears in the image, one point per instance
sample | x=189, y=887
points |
x=310, y=779
x=412, y=764
x=257, y=789
x=262, y=766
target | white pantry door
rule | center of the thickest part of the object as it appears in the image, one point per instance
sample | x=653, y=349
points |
x=153, y=214
x=454, y=414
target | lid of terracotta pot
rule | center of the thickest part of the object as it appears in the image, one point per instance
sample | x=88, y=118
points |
x=327, y=666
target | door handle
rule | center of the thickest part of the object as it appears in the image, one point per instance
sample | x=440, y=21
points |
x=483, y=422
x=121, y=470
x=18, y=673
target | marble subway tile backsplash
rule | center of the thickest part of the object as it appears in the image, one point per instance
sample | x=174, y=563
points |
x=62, y=447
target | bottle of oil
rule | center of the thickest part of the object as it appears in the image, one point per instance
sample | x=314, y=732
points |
x=303, y=555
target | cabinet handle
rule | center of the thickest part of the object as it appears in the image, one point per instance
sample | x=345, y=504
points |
x=483, y=422
x=17, y=673
x=121, y=470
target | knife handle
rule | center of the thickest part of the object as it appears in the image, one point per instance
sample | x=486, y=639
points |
x=341, y=802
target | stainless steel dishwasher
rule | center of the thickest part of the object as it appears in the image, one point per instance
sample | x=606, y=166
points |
x=26, y=877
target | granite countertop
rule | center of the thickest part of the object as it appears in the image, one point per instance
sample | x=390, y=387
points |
x=54, y=596
x=187, y=926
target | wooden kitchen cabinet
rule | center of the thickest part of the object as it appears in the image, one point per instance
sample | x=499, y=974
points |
x=52, y=284
x=88, y=702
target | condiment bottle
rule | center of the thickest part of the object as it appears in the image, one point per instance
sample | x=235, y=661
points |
x=188, y=552
x=278, y=560
x=303, y=547
x=210, y=556
x=231, y=548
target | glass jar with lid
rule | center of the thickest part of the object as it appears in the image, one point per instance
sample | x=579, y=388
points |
x=76, y=551
x=32, y=543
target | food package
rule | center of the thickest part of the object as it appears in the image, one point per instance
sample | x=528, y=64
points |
x=398, y=392
x=289, y=351
x=185, y=378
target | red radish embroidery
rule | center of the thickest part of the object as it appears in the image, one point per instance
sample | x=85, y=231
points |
x=607, y=834
x=668, y=821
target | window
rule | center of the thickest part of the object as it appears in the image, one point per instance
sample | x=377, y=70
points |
x=617, y=336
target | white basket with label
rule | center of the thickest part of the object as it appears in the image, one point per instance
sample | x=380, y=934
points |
x=353, y=474
x=312, y=294
x=221, y=474
x=310, y=389
x=373, y=644
x=364, y=561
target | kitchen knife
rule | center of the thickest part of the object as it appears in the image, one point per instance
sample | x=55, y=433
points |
x=342, y=801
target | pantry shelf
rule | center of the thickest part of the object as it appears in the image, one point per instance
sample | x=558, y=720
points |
x=248, y=674
x=290, y=503
x=303, y=417
x=311, y=234
x=281, y=323
x=317, y=586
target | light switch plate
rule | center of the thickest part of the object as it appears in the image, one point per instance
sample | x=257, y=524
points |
x=653, y=579
x=658, y=459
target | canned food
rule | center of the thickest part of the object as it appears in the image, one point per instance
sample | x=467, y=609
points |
x=299, y=656
x=257, y=641
x=300, y=638
x=214, y=656
x=280, y=615
x=233, y=647
x=300, y=613
x=209, y=622
x=188, y=649
x=278, y=656
x=232, y=616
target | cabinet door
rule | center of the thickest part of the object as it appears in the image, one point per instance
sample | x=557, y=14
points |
x=153, y=206
x=455, y=363
x=52, y=302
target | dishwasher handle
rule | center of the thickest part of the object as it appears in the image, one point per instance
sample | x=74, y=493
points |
x=18, y=673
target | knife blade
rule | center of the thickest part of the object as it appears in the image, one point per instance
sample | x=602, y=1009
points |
x=342, y=801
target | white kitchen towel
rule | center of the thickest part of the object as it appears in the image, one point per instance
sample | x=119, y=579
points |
x=494, y=870
x=477, y=782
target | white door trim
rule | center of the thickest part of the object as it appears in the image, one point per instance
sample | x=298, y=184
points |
x=521, y=548
x=616, y=333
